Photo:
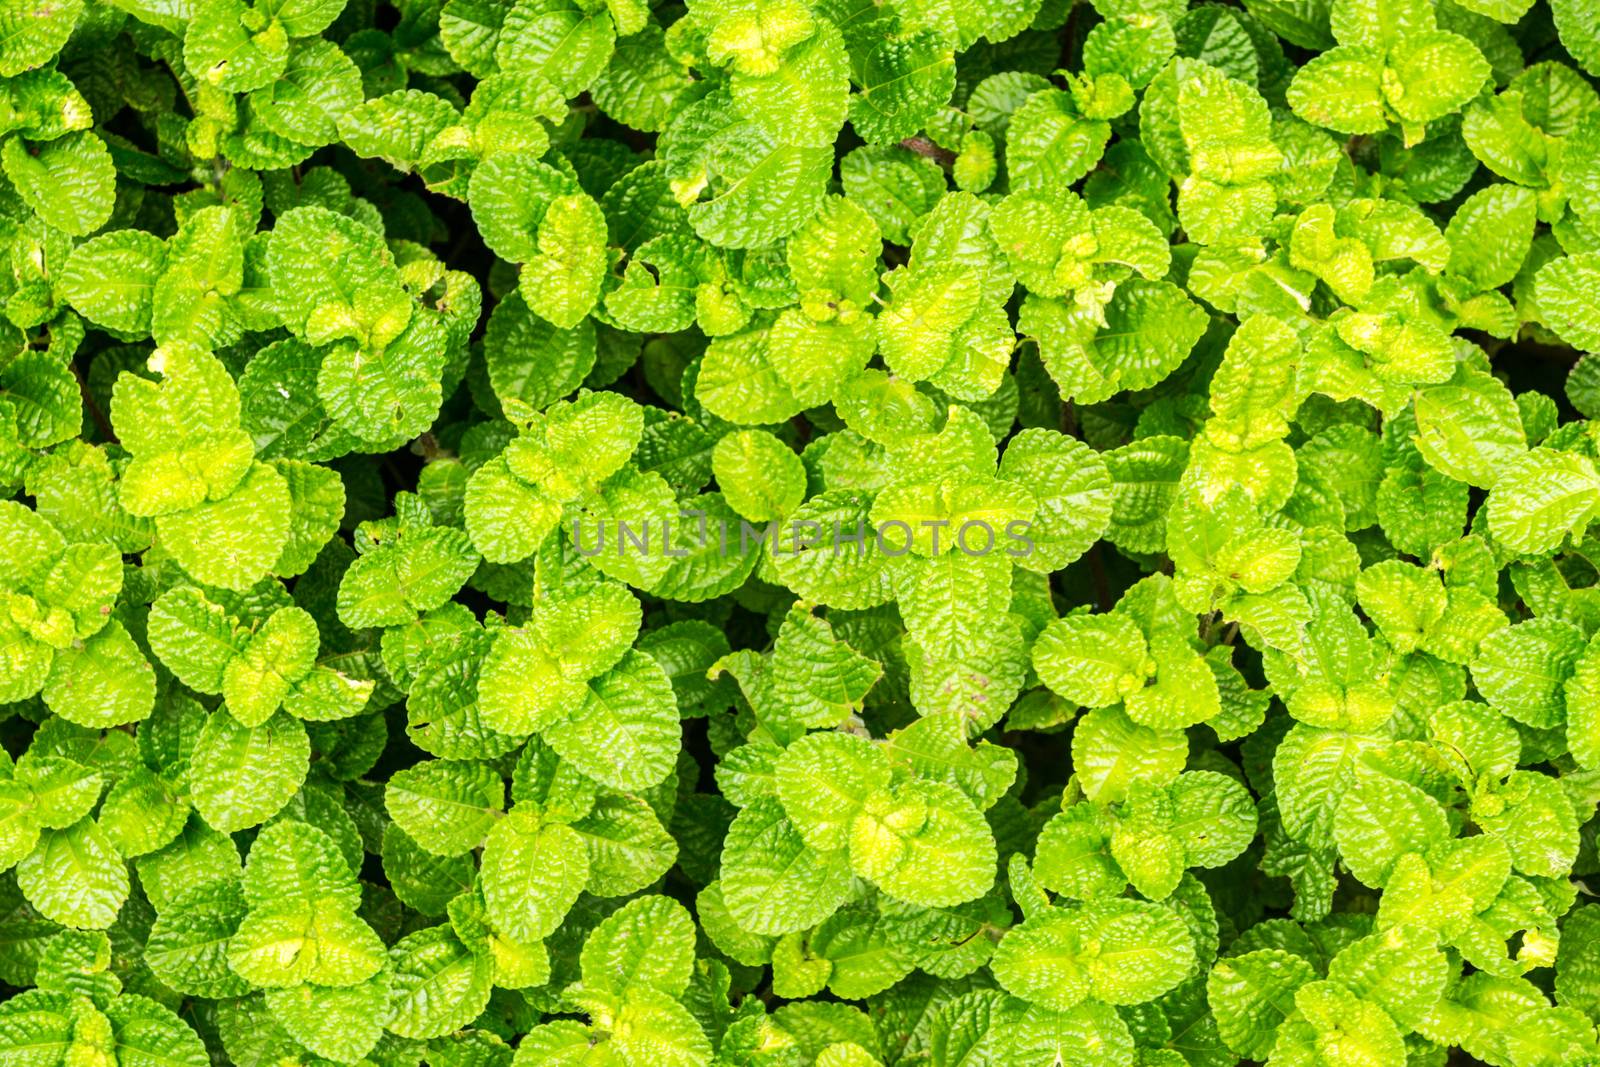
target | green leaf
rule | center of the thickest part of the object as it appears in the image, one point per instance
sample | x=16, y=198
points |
x=1401, y=970
x=187, y=949
x=891, y=184
x=395, y=580
x=1577, y=32
x=240, y=776
x=1456, y=878
x=759, y=476
x=648, y=943
x=514, y=334
x=75, y=876
x=1073, y=856
x=421, y=880
x=743, y=187
x=1436, y=72
x=1117, y=951
x=1535, y=819
x=69, y=182
x=1469, y=429
x=194, y=638
x=39, y=390
x=507, y=518
x=341, y=1023
x=319, y=258
x=562, y=281
x=221, y=50
x=1144, y=847
x=1252, y=994
x=642, y=86
x=316, y=507
x=1183, y=690
x=1110, y=751
x=293, y=861
x=626, y=733
x=1148, y=329
x=1093, y=660
x=277, y=656
x=1311, y=768
x=111, y=279
x=397, y=127
x=772, y=881
x=825, y=781
x=142, y=813
x=101, y=682
x=63, y=791
x=904, y=80
x=738, y=381
x=925, y=843
x=318, y=87
x=439, y=985
x=199, y=855
x=301, y=924
x=1342, y=89
x=628, y=847
x=578, y=445
x=1049, y=145
x=385, y=389
x=1575, y=963
x=1582, y=701
x=531, y=875
x=938, y=324
x=35, y=31
x=1522, y=670
x=817, y=679
x=1213, y=816
x=1490, y=235
x=447, y=808
x=1379, y=819
x=803, y=101
x=234, y=541
x=753, y=35
x=566, y=44
x=535, y=676
x=1541, y=497
x=1565, y=289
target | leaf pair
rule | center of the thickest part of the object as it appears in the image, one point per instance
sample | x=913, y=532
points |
x=840, y=808
x=60, y=636
x=259, y=668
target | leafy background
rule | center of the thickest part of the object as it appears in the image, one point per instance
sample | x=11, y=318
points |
x=327, y=323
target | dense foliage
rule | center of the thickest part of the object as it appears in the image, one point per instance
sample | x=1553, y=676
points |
x=972, y=533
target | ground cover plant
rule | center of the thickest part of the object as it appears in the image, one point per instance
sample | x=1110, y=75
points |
x=1000, y=533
